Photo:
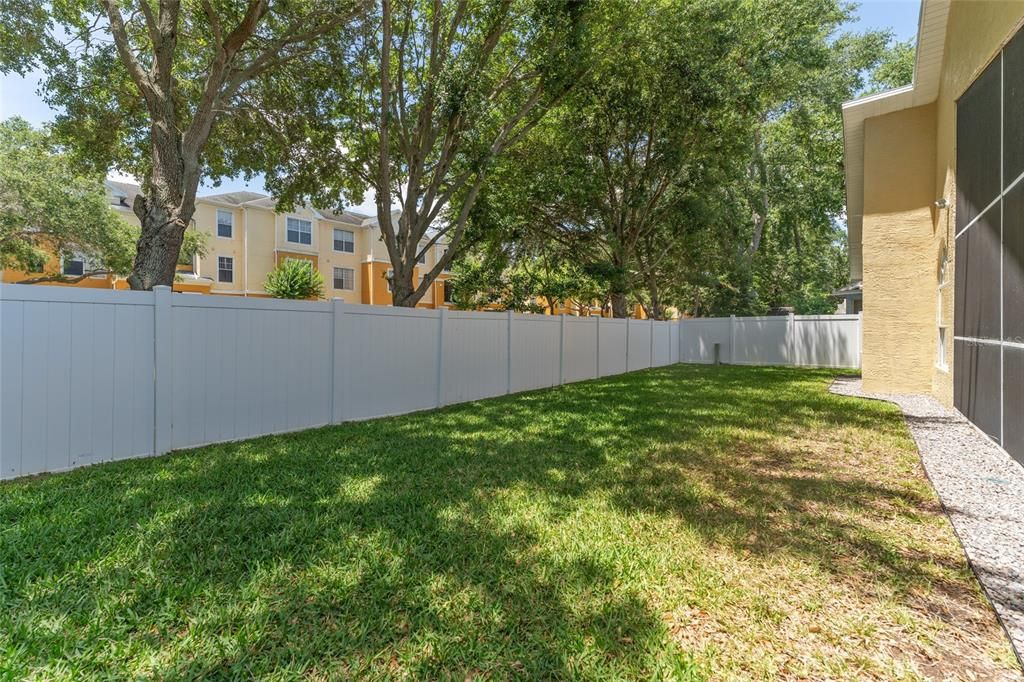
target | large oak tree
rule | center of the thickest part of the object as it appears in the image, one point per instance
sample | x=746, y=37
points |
x=171, y=92
x=440, y=90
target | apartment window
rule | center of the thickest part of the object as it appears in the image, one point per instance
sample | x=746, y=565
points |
x=225, y=223
x=74, y=267
x=448, y=291
x=344, y=241
x=300, y=231
x=344, y=278
x=225, y=269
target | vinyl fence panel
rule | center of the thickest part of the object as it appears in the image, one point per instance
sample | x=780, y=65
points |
x=580, y=344
x=475, y=356
x=391, y=360
x=826, y=341
x=699, y=337
x=245, y=367
x=77, y=378
x=761, y=341
x=535, y=351
x=92, y=375
x=638, y=351
x=612, y=347
x=662, y=343
x=799, y=340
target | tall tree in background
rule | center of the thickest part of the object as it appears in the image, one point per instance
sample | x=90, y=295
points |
x=794, y=249
x=442, y=88
x=48, y=206
x=51, y=207
x=143, y=88
x=651, y=115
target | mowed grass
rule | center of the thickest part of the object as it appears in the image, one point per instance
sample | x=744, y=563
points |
x=681, y=523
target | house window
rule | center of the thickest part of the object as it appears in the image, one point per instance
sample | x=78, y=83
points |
x=225, y=269
x=74, y=267
x=225, y=223
x=344, y=278
x=422, y=258
x=448, y=267
x=390, y=278
x=448, y=291
x=300, y=231
x=344, y=241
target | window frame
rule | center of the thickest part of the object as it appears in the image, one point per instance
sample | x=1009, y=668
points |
x=352, y=278
x=288, y=229
x=351, y=242
x=230, y=223
x=75, y=259
x=221, y=269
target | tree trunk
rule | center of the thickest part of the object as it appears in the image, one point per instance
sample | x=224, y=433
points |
x=619, y=304
x=156, y=255
x=654, y=311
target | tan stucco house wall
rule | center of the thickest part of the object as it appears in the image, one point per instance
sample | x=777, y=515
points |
x=901, y=160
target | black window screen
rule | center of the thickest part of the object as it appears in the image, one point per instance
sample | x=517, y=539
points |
x=989, y=297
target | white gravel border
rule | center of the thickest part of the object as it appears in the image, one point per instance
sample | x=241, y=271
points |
x=982, y=490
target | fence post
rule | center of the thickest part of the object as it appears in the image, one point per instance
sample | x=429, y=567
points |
x=163, y=369
x=597, y=353
x=561, y=349
x=337, y=365
x=791, y=338
x=650, y=362
x=627, y=344
x=508, y=366
x=442, y=315
x=679, y=341
x=732, y=339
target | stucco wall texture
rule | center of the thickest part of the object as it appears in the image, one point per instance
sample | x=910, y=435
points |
x=909, y=163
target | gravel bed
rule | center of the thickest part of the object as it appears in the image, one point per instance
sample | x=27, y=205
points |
x=982, y=490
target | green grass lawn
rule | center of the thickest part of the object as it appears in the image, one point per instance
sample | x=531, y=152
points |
x=682, y=523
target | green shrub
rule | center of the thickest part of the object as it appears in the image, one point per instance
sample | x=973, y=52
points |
x=296, y=279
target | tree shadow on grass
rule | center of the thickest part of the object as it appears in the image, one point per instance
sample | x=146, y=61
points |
x=423, y=544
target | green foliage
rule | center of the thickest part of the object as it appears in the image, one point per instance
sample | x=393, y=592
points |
x=105, y=120
x=896, y=67
x=49, y=205
x=684, y=523
x=463, y=82
x=295, y=279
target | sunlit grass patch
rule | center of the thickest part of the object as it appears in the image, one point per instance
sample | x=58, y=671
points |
x=681, y=523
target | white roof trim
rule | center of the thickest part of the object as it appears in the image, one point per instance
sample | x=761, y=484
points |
x=931, y=43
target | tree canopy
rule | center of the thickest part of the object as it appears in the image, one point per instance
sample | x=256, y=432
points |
x=171, y=92
x=51, y=206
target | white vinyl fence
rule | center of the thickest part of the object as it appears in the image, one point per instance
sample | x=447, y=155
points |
x=801, y=340
x=90, y=375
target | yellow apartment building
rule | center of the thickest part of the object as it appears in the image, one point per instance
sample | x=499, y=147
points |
x=935, y=209
x=247, y=237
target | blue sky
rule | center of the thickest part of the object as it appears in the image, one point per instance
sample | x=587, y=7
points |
x=18, y=96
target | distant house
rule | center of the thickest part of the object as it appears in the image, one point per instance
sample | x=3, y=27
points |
x=935, y=203
x=247, y=237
